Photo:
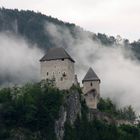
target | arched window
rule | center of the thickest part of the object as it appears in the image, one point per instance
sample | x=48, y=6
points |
x=47, y=73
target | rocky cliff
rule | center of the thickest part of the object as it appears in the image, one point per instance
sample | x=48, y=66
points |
x=68, y=112
x=73, y=107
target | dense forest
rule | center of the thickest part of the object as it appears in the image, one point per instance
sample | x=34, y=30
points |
x=30, y=112
x=30, y=25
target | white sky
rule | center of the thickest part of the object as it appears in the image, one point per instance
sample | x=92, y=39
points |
x=112, y=17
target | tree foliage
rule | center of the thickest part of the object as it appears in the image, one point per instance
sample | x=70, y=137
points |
x=83, y=129
x=126, y=113
x=31, y=26
x=29, y=109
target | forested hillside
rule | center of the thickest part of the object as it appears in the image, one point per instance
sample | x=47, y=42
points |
x=31, y=26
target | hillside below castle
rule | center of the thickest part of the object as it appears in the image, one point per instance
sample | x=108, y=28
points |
x=41, y=111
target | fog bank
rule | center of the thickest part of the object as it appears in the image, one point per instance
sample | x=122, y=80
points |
x=115, y=65
x=19, y=61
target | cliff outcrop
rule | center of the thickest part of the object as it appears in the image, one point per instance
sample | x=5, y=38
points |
x=73, y=107
x=68, y=112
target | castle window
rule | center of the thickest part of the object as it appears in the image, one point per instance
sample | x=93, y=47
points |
x=61, y=78
x=94, y=94
x=62, y=59
x=64, y=74
x=47, y=73
x=91, y=84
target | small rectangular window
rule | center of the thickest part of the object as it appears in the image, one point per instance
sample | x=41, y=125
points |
x=91, y=84
x=47, y=73
x=64, y=74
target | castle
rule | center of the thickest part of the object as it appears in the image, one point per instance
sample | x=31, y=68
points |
x=58, y=65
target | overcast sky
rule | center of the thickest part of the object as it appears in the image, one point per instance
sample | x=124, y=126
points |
x=112, y=17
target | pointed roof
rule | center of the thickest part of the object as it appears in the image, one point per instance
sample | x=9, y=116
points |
x=90, y=76
x=56, y=53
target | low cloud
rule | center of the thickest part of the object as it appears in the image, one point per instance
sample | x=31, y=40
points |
x=19, y=61
x=115, y=65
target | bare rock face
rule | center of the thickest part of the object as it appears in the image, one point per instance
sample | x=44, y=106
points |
x=68, y=112
x=59, y=124
x=73, y=106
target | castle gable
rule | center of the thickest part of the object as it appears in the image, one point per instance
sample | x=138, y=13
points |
x=90, y=76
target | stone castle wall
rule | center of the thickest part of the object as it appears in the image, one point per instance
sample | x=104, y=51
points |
x=91, y=90
x=62, y=70
x=92, y=100
x=89, y=85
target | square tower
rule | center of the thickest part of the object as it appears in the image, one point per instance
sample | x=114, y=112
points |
x=91, y=89
x=57, y=64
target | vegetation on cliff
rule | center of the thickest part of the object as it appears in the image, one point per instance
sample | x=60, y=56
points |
x=83, y=129
x=97, y=130
x=30, y=112
x=126, y=113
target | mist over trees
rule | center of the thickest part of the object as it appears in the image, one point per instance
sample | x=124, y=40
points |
x=27, y=32
x=31, y=26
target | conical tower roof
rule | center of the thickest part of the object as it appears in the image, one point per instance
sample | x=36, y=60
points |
x=56, y=53
x=90, y=76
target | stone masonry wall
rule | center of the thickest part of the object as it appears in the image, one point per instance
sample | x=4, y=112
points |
x=87, y=86
x=62, y=70
x=91, y=96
